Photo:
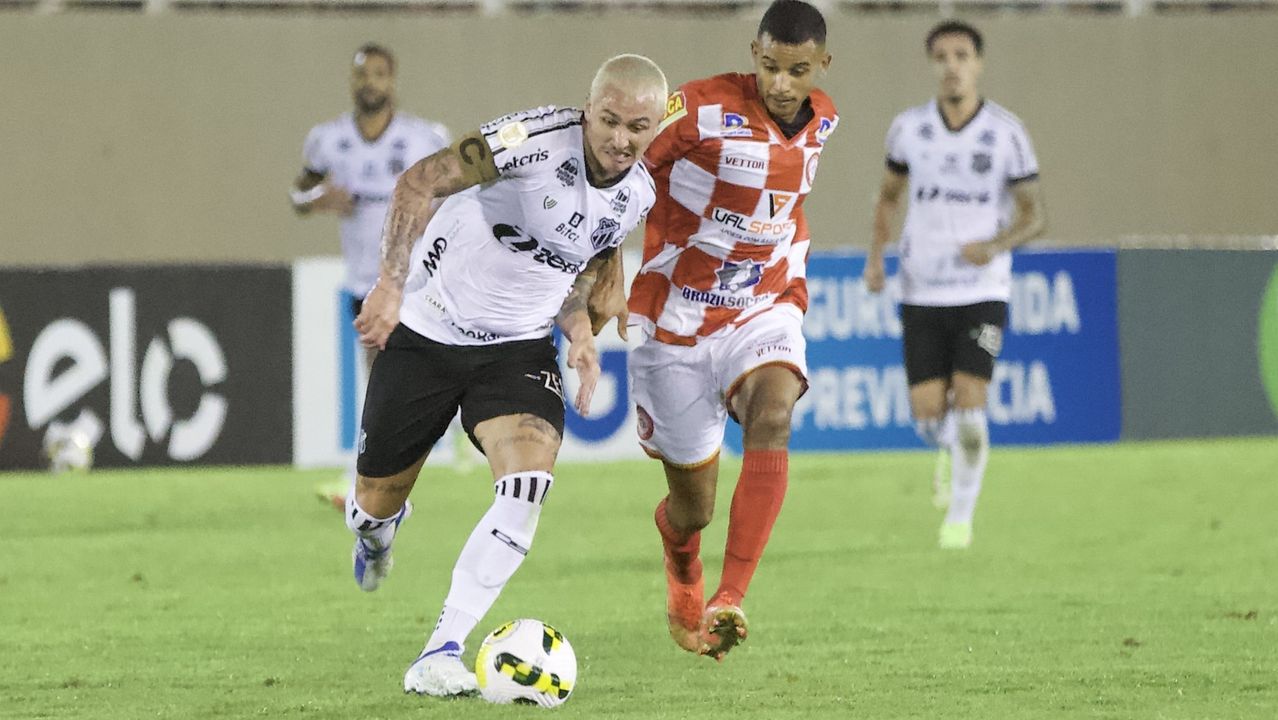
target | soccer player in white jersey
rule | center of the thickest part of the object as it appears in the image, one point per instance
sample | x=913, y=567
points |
x=973, y=191
x=532, y=204
x=350, y=167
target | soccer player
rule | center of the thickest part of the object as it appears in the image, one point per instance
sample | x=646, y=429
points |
x=350, y=166
x=498, y=266
x=720, y=299
x=973, y=196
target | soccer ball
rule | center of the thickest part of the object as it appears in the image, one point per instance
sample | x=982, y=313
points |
x=68, y=448
x=526, y=661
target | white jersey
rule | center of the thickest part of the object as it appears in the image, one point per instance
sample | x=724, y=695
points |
x=497, y=261
x=367, y=170
x=960, y=192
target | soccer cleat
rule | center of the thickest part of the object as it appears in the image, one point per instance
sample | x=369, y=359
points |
x=724, y=626
x=684, y=603
x=334, y=493
x=941, y=480
x=955, y=536
x=372, y=565
x=440, y=673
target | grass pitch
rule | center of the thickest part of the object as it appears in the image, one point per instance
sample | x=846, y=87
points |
x=1129, y=581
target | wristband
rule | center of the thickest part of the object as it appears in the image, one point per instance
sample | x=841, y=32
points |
x=306, y=197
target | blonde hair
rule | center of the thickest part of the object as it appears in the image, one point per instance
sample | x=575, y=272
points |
x=630, y=72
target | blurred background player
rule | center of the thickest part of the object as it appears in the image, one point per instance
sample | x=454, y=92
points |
x=973, y=197
x=351, y=164
x=720, y=298
x=465, y=323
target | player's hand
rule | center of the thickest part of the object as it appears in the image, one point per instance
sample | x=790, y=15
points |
x=980, y=253
x=379, y=316
x=608, y=300
x=583, y=357
x=334, y=200
x=874, y=276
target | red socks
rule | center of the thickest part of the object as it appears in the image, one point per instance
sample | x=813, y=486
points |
x=683, y=551
x=755, y=505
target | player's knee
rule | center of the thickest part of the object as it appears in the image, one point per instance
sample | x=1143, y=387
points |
x=929, y=430
x=767, y=423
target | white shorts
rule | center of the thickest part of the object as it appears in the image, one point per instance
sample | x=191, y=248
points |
x=682, y=392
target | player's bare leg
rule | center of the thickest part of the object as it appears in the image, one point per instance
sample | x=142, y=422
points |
x=763, y=403
x=680, y=517
x=521, y=451
x=971, y=453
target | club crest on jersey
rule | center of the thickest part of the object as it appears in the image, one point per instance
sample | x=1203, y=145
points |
x=620, y=201
x=981, y=163
x=735, y=125
x=399, y=145
x=986, y=138
x=734, y=276
x=512, y=135
x=567, y=172
x=602, y=236
x=823, y=130
x=778, y=202
x=926, y=132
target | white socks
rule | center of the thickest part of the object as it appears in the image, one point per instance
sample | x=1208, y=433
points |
x=493, y=553
x=970, y=453
x=376, y=533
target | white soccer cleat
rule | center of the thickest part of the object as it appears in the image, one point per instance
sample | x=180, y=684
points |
x=440, y=673
x=955, y=536
x=372, y=565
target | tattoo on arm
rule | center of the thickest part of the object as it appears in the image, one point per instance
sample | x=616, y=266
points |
x=466, y=163
x=581, y=288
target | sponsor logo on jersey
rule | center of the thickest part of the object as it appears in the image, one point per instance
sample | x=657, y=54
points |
x=603, y=235
x=950, y=195
x=567, y=172
x=981, y=163
x=950, y=166
x=746, y=229
x=434, y=255
x=676, y=107
x=733, y=302
x=513, y=237
x=522, y=160
x=549, y=202
x=824, y=128
x=620, y=201
x=343, y=145
x=473, y=334
x=512, y=135
x=549, y=380
x=745, y=161
x=399, y=145
x=734, y=276
x=778, y=202
x=395, y=166
x=576, y=219
x=735, y=125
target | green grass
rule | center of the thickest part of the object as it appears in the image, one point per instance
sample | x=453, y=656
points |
x=1131, y=581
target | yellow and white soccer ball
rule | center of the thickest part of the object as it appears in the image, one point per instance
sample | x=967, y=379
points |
x=526, y=661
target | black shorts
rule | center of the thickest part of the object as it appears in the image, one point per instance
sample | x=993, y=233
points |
x=417, y=385
x=942, y=340
x=357, y=304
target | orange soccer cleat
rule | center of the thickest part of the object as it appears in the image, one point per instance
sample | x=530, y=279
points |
x=683, y=608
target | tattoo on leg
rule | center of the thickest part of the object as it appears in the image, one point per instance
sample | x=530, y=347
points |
x=540, y=425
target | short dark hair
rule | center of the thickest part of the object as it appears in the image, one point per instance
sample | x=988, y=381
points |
x=372, y=48
x=793, y=22
x=956, y=27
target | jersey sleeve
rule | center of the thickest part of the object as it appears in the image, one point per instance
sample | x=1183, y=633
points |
x=897, y=160
x=677, y=133
x=524, y=143
x=1022, y=163
x=313, y=156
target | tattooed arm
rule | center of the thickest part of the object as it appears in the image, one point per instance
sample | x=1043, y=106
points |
x=574, y=321
x=466, y=163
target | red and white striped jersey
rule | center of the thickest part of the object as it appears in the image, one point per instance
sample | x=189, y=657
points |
x=726, y=239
